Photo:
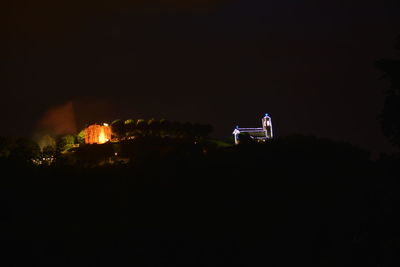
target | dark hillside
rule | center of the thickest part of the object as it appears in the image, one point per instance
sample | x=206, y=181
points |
x=299, y=200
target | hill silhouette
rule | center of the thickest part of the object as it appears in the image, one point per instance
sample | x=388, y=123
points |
x=296, y=200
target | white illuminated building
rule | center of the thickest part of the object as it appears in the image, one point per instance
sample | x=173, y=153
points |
x=258, y=134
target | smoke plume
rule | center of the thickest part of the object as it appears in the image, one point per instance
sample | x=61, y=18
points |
x=58, y=120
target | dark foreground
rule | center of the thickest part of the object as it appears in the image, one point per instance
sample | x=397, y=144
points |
x=287, y=203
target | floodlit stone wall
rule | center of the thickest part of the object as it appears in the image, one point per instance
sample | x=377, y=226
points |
x=97, y=134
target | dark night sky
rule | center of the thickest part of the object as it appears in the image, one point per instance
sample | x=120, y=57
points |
x=307, y=63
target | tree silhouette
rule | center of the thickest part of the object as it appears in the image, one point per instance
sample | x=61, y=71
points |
x=154, y=127
x=130, y=127
x=80, y=137
x=390, y=116
x=165, y=127
x=202, y=130
x=118, y=128
x=23, y=150
x=64, y=142
x=4, y=150
x=142, y=126
x=187, y=129
x=48, y=151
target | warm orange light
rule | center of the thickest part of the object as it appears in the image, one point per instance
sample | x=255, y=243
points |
x=97, y=134
x=102, y=137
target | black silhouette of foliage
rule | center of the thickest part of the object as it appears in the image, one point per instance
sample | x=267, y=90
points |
x=159, y=128
x=390, y=116
x=118, y=128
x=21, y=150
x=130, y=127
x=154, y=127
x=245, y=138
x=142, y=127
x=48, y=151
x=313, y=199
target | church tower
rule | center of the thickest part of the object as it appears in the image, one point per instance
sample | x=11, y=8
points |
x=267, y=126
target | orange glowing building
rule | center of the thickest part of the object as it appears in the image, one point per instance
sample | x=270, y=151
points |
x=97, y=134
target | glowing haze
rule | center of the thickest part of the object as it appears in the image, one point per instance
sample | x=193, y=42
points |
x=59, y=120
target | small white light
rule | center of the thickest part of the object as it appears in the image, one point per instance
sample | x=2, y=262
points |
x=115, y=153
x=105, y=124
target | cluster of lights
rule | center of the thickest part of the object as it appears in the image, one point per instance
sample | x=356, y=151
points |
x=42, y=161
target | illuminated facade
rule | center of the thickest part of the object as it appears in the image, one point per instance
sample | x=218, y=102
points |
x=97, y=134
x=257, y=134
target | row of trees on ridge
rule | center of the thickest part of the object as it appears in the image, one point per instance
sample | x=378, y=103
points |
x=123, y=129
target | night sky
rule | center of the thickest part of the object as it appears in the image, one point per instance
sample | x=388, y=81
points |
x=309, y=64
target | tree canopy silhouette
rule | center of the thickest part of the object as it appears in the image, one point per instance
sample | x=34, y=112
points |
x=390, y=116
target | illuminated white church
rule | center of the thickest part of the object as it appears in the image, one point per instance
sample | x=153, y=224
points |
x=258, y=134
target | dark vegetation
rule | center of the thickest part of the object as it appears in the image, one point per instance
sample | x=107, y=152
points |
x=123, y=129
x=390, y=115
x=296, y=200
